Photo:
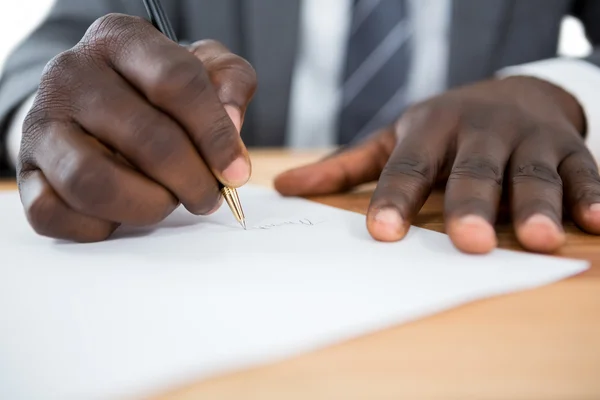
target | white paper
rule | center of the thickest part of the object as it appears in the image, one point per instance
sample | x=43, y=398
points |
x=198, y=296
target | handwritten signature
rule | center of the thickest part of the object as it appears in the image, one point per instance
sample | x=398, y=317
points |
x=303, y=221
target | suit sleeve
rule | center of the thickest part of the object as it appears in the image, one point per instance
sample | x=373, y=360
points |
x=64, y=26
x=579, y=77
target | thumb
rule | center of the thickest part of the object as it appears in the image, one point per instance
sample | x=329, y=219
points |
x=339, y=172
x=233, y=78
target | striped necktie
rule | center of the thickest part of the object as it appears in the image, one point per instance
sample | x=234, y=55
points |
x=377, y=64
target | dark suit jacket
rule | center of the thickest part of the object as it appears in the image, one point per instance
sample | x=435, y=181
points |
x=485, y=36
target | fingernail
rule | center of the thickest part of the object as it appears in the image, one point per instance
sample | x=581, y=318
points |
x=473, y=234
x=595, y=208
x=387, y=225
x=235, y=115
x=591, y=219
x=238, y=172
x=475, y=221
x=540, y=233
x=542, y=221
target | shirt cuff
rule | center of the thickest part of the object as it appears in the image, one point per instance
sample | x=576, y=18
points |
x=15, y=129
x=579, y=78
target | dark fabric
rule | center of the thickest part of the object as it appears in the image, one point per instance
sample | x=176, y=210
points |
x=376, y=71
x=485, y=35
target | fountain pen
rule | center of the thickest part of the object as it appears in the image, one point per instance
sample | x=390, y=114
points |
x=159, y=19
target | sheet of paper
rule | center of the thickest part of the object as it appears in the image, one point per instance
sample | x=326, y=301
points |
x=198, y=296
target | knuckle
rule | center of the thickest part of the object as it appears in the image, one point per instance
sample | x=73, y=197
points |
x=411, y=167
x=585, y=191
x=582, y=180
x=171, y=79
x=586, y=173
x=232, y=63
x=36, y=119
x=53, y=104
x=60, y=65
x=33, y=129
x=579, y=165
x=525, y=172
x=86, y=185
x=420, y=112
x=418, y=117
x=60, y=75
x=47, y=108
x=234, y=76
x=485, y=116
x=113, y=29
x=40, y=121
x=104, y=24
x=60, y=83
x=479, y=168
x=152, y=137
x=430, y=109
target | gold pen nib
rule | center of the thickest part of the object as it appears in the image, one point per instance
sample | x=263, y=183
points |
x=233, y=201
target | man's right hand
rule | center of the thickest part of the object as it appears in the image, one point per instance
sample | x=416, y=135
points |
x=126, y=126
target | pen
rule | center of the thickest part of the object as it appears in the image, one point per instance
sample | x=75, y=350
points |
x=161, y=22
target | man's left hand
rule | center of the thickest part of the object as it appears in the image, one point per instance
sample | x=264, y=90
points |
x=519, y=135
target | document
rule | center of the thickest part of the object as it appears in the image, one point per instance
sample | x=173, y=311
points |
x=195, y=297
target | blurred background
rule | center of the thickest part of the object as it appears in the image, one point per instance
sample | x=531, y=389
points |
x=20, y=17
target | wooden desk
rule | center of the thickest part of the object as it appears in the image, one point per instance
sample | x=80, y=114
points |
x=7, y=185
x=539, y=344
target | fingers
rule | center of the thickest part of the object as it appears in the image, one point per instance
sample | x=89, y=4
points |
x=410, y=173
x=89, y=179
x=536, y=195
x=176, y=82
x=50, y=216
x=474, y=190
x=148, y=139
x=127, y=124
x=579, y=173
x=233, y=77
x=343, y=171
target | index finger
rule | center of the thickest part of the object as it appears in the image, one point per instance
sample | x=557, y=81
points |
x=175, y=81
x=232, y=76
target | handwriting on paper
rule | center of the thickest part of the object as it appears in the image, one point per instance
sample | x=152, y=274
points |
x=302, y=221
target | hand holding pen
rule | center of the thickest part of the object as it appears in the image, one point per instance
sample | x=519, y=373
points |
x=151, y=125
x=159, y=19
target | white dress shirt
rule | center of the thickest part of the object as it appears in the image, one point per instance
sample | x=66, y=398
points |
x=316, y=85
